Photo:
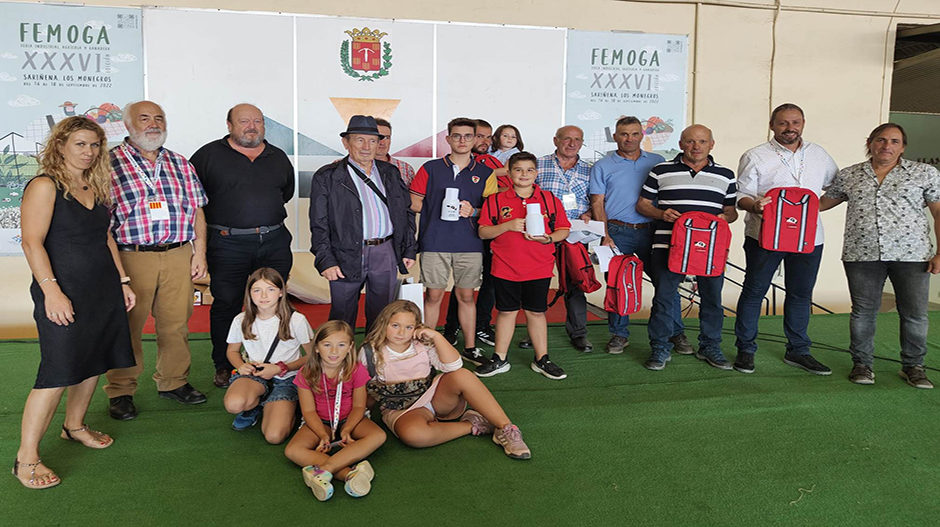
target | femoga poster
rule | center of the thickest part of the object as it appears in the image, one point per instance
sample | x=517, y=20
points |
x=56, y=62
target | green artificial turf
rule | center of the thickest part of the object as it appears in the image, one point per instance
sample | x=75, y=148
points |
x=614, y=444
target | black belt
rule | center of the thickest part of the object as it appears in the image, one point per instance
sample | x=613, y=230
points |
x=635, y=226
x=228, y=231
x=162, y=248
x=376, y=241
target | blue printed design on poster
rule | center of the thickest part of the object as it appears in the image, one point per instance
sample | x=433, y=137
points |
x=610, y=75
x=56, y=62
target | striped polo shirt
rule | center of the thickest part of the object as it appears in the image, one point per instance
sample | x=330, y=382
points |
x=676, y=186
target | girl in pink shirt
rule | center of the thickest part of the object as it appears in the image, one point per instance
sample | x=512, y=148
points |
x=332, y=392
x=418, y=404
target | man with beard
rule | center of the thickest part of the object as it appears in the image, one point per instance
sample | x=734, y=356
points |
x=248, y=181
x=160, y=231
x=784, y=161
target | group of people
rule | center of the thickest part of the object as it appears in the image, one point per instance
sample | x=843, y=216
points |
x=147, y=222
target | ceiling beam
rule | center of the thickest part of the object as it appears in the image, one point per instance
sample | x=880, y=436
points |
x=929, y=33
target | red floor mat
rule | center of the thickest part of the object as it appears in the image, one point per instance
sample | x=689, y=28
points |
x=319, y=313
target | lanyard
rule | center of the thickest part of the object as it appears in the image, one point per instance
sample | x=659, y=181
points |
x=334, y=414
x=143, y=173
x=799, y=174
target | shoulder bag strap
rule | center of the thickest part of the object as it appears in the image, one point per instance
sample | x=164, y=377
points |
x=371, y=184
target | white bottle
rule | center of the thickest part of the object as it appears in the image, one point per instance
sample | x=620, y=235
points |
x=451, y=209
x=534, y=222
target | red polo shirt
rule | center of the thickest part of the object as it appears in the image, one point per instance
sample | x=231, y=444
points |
x=514, y=257
x=491, y=161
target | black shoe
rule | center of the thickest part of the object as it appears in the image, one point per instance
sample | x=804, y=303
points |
x=582, y=344
x=525, y=343
x=681, y=344
x=495, y=366
x=744, y=362
x=486, y=336
x=808, y=363
x=122, y=408
x=474, y=356
x=222, y=377
x=548, y=368
x=185, y=394
x=451, y=337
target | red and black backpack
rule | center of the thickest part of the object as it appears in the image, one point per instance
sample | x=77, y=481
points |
x=574, y=265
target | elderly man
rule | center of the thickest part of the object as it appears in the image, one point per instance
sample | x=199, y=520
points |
x=784, y=161
x=690, y=182
x=362, y=230
x=381, y=152
x=248, y=181
x=615, y=186
x=158, y=224
x=568, y=177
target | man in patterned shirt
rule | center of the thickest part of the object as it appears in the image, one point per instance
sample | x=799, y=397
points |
x=785, y=161
x=381, y=151
x=568, y=177
x=887, y=235
x=160, y=231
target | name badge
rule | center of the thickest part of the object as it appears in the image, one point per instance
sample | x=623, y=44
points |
x=569, y=201
x=158, y=210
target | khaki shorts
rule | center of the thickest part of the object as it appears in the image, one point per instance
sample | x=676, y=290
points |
x=436, y=269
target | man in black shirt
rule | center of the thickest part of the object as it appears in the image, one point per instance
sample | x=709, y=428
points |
x=248, y=181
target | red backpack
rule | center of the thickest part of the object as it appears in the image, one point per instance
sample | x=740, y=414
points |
x=700, y=243
x=789, y=220
x=624, y=285
x=574, y=265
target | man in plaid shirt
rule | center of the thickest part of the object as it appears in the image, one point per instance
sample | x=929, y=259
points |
x=567, y=176
x=160, y=231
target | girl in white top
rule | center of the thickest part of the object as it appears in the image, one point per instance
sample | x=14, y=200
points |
x=506, y=141
x=418, y=410
x=260, y=385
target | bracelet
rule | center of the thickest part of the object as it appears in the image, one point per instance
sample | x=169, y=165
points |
x=125, y=280
x=284, y=368
x=47, y=279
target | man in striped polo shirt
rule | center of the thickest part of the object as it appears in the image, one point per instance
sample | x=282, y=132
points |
x=690, y=182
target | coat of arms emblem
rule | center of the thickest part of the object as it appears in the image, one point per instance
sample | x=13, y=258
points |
x=366, y=53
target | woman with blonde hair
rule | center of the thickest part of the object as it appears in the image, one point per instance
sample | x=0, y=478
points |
x=79, y=290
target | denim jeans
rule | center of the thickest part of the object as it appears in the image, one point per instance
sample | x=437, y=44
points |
x=640, y=243
x=662, y=323
x=911, y=283
x=799, y=280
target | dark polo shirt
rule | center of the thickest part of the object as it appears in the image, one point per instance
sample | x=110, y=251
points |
x=244, y=194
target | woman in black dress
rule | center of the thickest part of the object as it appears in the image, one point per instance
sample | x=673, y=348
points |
x=78, y=291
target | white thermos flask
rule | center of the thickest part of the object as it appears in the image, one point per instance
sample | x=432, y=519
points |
x=451, y=209
x=534, y=222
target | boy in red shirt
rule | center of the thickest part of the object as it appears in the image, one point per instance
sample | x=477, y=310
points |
x=523, y=265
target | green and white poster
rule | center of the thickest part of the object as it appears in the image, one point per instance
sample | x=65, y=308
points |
x=610, y=75
x=55, y=62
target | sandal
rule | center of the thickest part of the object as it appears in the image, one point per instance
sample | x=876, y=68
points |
x=32, y=483
x=96, y=443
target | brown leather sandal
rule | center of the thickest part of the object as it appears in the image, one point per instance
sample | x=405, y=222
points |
x=32, y=483
x=95, y=443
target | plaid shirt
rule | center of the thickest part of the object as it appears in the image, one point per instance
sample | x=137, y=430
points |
x=559, y=182
x=407, y=171
x=174, y=181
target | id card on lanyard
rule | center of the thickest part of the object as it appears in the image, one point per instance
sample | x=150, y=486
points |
x=334, y=412
x=158, y=209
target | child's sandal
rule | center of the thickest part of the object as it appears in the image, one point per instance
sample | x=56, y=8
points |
x=32, y=482
x=359, y=480
x=96, y=443
x=319, y=481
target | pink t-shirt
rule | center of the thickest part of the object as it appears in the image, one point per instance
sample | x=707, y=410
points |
x=326, y=400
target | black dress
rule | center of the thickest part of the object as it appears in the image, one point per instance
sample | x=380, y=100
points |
x=99, y=339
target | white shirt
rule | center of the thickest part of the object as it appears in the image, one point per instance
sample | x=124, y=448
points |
x=771, y=165
x=265, y=332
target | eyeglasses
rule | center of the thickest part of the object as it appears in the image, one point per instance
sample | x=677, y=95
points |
x=465, y=138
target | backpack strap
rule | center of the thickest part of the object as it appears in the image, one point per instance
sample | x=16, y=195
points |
x=561, y=261
x=494, y=213
x=370, y=358
x=551, y=217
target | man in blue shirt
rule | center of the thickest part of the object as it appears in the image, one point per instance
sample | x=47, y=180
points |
x=616, y=181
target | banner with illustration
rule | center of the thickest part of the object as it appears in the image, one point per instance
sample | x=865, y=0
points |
x=55, y=62
x=610, y=75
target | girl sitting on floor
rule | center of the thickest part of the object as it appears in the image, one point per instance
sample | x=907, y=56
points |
x=272, y=334
x=420, y=406
x=332, y=389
